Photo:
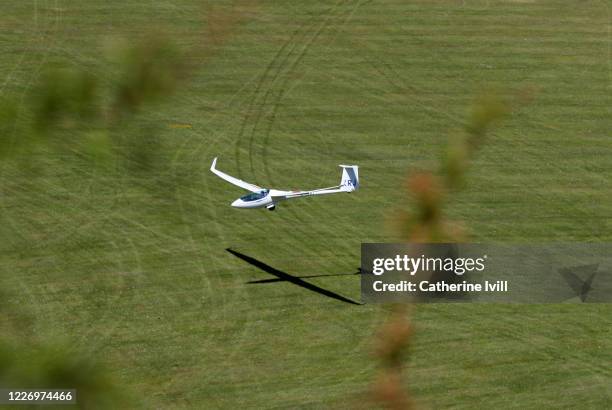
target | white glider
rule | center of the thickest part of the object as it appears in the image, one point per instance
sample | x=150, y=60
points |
x=268, y=198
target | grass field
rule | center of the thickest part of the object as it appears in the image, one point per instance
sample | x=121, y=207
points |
x=135, y=271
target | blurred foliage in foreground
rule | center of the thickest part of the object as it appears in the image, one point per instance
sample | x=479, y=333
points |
x=71, y=116
x=29, y=363
x=426, y=223
x=75, y=121
x=70, y=112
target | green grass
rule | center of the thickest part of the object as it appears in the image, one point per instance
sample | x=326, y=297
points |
x=139, y=276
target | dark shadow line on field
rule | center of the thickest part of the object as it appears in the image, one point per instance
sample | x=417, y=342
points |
x=303, y=277
x=284, y=276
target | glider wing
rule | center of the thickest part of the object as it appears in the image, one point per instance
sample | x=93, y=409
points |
x=238, y=182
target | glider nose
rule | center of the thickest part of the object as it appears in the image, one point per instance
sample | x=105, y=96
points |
x=237, y=203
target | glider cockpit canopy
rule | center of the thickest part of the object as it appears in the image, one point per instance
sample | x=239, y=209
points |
x=255, y=195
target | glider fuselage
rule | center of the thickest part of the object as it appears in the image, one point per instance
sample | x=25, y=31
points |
x=266, y=198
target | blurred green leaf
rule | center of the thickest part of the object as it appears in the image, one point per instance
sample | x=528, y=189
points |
x=486, y=110
x=148, y=71
x=64, y=97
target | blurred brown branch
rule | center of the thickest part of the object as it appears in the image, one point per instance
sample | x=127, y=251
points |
x=391, y=346
x=425, y=222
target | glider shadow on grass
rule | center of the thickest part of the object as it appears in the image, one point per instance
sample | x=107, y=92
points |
x=296, y=280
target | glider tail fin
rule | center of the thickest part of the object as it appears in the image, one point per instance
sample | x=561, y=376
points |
x=350, y=178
